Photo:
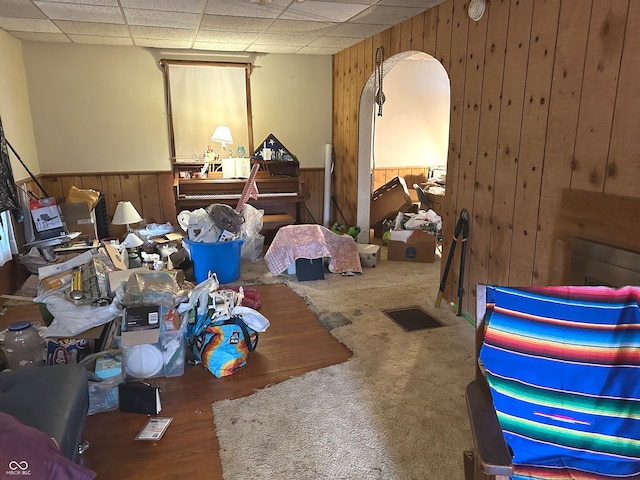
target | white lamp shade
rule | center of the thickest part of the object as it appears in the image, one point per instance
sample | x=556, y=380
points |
x=126, y=214
x=132, y=241
x=222, y=134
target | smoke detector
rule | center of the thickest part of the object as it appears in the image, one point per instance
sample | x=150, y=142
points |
x=476, y=9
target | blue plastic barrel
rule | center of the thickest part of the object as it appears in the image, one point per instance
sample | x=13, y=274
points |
x=223, y=258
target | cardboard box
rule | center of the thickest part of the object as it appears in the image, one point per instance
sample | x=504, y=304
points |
x=412, y=246
x=388, y=200
x=78, y=218
x=369, y=254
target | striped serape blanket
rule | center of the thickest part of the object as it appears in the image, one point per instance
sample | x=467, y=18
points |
x=563, y=366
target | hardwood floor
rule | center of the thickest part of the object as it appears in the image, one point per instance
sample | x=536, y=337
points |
x=295, y=343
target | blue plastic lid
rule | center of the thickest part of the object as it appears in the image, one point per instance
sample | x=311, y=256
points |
x=17, y=326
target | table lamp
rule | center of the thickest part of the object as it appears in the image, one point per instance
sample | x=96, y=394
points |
x=222, y=134
x=126, y=214
x=131, y=245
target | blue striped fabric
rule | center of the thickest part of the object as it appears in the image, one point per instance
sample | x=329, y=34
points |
x=563, y=368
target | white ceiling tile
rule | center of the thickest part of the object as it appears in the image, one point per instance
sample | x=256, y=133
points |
x=104, y=3
x=341, y=42
x=272, y=48
x=186, y=6
x=286, y=40
x=245, y=24
x=360, y=30
x=154, y=18
x=41, y=37
x=19, y=9
x=158, y=33
x=319, y=27
x=86, y=13
x=93, y=29
x=318, y=50
x=162, y=43
x=383, y=15
x=100, y=40
x=322, y=11
x=225, y=47
x=28, y=25
x=244, y=8
x=295, y=27
x=213, y=36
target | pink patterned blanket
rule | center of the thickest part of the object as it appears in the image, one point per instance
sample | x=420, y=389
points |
x=312, y=241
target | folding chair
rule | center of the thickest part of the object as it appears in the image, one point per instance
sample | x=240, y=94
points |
x=556, y=393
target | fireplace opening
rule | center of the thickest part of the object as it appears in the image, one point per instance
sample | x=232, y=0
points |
x=595, y=263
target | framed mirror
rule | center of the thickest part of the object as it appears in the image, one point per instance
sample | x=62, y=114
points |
x=201, y=96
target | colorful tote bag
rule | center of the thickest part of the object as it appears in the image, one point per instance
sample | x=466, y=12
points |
x=223, y=346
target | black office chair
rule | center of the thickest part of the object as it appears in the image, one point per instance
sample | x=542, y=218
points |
x=422, y=197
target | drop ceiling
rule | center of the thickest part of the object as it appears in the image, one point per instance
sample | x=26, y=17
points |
x=316, y=27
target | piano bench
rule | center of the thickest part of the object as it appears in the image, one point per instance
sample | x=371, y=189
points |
x=273, y=222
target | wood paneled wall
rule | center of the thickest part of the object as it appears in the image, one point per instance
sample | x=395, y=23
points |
x=544, y=96
x=152, y=193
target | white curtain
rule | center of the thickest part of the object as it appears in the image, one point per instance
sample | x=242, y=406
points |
x=8, y=244
x=203, y=97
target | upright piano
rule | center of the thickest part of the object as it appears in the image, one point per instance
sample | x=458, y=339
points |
x=277, y=182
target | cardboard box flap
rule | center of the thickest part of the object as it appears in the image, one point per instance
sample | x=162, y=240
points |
x=140, y=337
x=168, y=237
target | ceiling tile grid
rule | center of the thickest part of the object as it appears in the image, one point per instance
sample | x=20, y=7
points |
x=308, y=27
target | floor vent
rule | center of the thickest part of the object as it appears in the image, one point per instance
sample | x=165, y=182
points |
x=412, y=319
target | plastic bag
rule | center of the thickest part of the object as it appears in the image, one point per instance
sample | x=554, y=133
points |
x=199, y=298
x=199, y=226
x=103, y=395
x=150, y=288
x=254, y=320
x=69, y=319
x=422, y=218
x=253, y=240
x=79, y=195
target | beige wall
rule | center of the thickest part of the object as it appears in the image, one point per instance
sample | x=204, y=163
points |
x=101, y=108
x=291, y=98
x=14, y=107
x=414, y=127
x=96, y=108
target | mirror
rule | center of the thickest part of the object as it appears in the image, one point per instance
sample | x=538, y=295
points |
x=202, y=96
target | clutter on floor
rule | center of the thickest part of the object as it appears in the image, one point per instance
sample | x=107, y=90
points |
x=142, y=308
x=156, y=300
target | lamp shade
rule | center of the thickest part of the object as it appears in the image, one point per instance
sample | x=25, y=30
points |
x=126, y=214
x=222, y=134
x=132, y=241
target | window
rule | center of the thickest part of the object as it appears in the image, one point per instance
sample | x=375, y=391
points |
x=8, y=245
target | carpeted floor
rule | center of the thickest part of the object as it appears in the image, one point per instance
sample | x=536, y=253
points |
x=395, y=410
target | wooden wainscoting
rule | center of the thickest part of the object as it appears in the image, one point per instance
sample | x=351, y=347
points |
x=152, y=192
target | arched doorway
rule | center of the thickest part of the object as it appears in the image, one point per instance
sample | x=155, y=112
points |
x=430, y=86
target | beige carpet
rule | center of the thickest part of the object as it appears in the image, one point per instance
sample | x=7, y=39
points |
x=395, y=410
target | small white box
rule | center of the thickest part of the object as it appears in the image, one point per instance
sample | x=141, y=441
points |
x=369, y=254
